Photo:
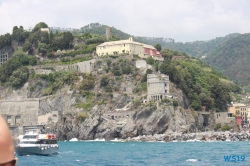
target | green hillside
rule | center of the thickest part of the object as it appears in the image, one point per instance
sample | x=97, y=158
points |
x=199, y=48
x=100, y=29
x=195, y=49
x=233, y=59
x=202, y=85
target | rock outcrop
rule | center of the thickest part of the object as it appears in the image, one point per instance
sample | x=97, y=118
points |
x=145, y=121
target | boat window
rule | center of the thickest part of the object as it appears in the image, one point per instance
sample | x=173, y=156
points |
x=38, y=142
x=48, y=142
x=29, y=137
x=28, y=142
x=44, y=141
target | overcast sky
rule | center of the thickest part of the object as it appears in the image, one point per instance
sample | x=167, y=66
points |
x=182, y=20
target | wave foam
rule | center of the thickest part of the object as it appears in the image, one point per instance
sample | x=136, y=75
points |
x=192, y=160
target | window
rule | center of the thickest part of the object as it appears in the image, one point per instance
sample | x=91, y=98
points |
x=17, y=119
x=8, y=119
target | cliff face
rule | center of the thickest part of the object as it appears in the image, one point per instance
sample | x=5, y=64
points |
x=145, y=121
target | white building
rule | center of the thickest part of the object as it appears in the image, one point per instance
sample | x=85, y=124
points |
x=158, y=87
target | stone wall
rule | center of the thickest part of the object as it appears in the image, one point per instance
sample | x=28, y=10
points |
x=84, y=67
x=20, y=112
x=222, y=117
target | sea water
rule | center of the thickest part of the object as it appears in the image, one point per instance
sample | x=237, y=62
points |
x=142, y=153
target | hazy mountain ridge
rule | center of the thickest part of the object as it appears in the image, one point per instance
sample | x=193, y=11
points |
x=199, y=48
x=233, y=59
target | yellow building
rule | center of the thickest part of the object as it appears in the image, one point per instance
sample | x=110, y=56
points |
x=128, y=47
x=118, y=47
x=239, y=109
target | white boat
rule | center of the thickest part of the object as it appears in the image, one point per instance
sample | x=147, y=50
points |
x=34, y=143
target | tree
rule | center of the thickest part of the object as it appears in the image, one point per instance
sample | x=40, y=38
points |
x=158, y=47
x=19, y=77
x=5, y=40
x=144, y=77
x=39, y=26
x=19, y=34
x=150, y=60
x=27, y=47
x=196, y=106
x=43, y=48
x=167, y=54
x=67, y=39
x=32, y=60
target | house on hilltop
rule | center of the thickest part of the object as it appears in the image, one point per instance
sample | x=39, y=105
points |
x=128, y=47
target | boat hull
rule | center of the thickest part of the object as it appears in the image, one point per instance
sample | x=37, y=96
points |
x=42, y=150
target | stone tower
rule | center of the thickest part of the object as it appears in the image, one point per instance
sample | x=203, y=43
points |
x=108, y=33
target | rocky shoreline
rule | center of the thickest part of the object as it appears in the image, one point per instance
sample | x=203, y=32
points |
x=191, y=137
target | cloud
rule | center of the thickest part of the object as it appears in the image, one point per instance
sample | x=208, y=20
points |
x=182, y=20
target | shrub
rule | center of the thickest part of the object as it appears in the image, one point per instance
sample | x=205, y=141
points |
x=217, y=126
x=175, y=103
x=108, y=88
x=137, y=103
x=117, y=73
x=150, y=60
x=32, y=61
x=144, y=86
x=32, y=88
x=165, y=100
x=104, y=81
x=126, y=70
x=19, y=77
x=87, y=84
x=82, y=116
x=226, y=128
x=108, y=61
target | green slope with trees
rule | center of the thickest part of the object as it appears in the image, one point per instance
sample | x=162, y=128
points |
x=203, y=85
x=199, y=48
x=233, y=59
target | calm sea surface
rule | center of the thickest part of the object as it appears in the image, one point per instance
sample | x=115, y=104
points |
x=142, y=153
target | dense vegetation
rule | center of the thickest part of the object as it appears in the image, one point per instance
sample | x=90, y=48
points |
x=14, y=71
x=233, y=60
x=199, y=48
x=203, y=85
x=44, y=44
